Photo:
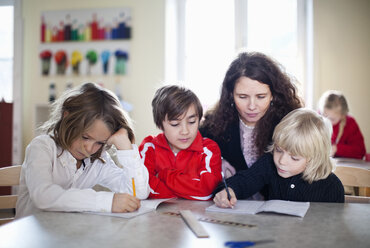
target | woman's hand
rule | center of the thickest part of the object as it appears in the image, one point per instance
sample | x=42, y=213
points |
x=120, y=140
x=123, y=202
x=222, y=201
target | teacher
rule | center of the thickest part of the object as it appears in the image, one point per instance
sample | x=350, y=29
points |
x=256, y=94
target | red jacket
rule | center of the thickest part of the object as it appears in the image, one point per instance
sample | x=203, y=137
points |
x=351, y=144
x=193, y=174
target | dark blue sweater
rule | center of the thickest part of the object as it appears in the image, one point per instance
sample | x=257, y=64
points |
x=263, y=173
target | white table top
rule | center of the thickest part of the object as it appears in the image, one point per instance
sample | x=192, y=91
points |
x=325, y=225
x=352, y=163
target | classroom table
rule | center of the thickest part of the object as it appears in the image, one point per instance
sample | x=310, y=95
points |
x=350, y=162
x=325, y=225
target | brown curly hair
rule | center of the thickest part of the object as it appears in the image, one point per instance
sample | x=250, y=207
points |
x=259, y=67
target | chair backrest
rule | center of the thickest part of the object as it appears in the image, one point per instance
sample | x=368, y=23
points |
x=9, y=176
x=354, y=177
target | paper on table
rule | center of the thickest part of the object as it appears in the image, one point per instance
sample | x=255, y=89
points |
x=146, y=207
x=254, y=207
x=286, y=207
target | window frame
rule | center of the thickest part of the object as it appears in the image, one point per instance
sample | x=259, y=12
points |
x=175, y=37
x=17, y=140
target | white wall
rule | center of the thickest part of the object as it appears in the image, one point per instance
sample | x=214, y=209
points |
x=342, y=54
x=146, y=60
x=341, y=57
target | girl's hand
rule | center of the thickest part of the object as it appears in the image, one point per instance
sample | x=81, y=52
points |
x=221, y=199
x=123, y=202
x=120, y=140
x=333, y=150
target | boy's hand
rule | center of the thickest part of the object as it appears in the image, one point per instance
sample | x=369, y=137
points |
x=123, y=202
x=120, y=140
x=221, y=199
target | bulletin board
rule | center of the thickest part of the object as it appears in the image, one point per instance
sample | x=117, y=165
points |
x=85, y=42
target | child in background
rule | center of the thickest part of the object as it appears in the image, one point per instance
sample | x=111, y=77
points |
x=62, y=166
x=297, y=166
x=181, y=163
x=347, y=139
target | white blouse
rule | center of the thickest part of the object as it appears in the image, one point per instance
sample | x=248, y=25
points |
x=247, y=142
x=52, y=182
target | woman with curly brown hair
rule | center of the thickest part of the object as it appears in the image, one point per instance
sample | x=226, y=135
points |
x=256, y=94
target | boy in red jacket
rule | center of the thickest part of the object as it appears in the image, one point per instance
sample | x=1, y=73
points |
x=181, y=163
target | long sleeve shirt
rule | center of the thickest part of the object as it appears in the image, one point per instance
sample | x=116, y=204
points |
x=236, y=151
x=351, y=144
x=263, y=172
x=51, y=181
x=192, y=173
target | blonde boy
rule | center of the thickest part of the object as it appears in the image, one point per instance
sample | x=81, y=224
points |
x=297, y=166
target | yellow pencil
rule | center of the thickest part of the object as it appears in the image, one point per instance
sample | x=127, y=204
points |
x=133, y=187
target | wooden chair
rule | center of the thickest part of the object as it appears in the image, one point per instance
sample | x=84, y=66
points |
x=9, y=176
x=354, y=177
x=367, y=157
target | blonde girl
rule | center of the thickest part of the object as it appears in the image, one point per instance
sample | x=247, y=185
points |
x=347, y=139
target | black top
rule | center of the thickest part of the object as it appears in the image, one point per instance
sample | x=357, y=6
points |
x=230, y=150
x=263, y=173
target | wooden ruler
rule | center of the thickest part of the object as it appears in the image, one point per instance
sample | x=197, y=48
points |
x=215, y=221
x=193, y=224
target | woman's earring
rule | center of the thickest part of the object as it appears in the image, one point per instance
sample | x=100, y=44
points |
x=232, y=104
x=271, y=103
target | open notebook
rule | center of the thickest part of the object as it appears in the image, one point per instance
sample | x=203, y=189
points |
x=254, y=207
x=146, y=207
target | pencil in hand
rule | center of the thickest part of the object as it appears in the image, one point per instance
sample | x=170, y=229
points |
x=133, y=187
x=226, y=188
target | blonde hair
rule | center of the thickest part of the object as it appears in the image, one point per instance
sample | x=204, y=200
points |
x=76, y=110
x=332, y=99
x=305, y=133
